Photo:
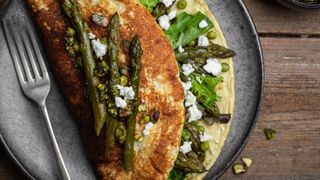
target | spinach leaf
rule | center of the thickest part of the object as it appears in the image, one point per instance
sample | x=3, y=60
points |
x=205, y=91
x=149, y=4
x=176, y=174
x=186, y=28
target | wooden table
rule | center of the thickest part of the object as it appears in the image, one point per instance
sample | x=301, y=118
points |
x=291, y=106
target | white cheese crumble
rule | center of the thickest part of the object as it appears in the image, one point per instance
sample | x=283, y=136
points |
x=198, y=79
x=167, y=3
x=205, y=137
x=213, y=66
x=187, y=69
x=164, y=22
x=190, y=99
x=203, y=41
x=180, y=49
x=147, y=128
x=172, y=15
x=120, y=103
x=99, y=48
x=194, y=113
x=186, y=86
x=203, y=24
x=126, y=92
x=91, y=35
x=186, y=147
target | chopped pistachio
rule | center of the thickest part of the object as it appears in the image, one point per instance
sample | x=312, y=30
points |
x=270, y=133
x=142, y=107
x=123, y=80
x=71, y=31
x=101, y=87
x=247, y=161
x=121, y=133
x=146, y=119
x=137, y=137
x=238, y=169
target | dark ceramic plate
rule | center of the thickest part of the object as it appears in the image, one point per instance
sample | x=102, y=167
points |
x=299, y=6
x=24, y=135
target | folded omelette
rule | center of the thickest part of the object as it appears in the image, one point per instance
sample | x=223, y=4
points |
x=123, y=73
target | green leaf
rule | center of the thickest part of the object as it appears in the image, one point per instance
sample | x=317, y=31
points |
x=205, y=91
x=186, y=28
x=149, y=4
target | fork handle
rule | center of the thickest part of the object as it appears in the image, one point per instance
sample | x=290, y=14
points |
x=61, y=164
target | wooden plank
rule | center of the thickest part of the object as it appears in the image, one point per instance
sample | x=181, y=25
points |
x=291, y=107
x=271, y=17
x=8, y=170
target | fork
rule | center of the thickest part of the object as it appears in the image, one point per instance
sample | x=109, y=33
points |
x=32, y=73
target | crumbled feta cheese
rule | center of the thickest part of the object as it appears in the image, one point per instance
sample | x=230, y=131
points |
x=198, y=79
x=167, y=3
x=127, y=93
x=186, y=86
x=91, y=35
x=190, y=99
x=172, y=15
x=205, y=137
x=164, y=22
x=203, y=41
x=186, y=147
x=99, y=48
x=147, y=128
x=120, y=103
x=194, y=113
x=180, y=49
x=203, y=24
x=187, y=69
x=213, y=66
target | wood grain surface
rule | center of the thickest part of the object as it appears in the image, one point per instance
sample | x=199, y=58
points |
x=291, y=104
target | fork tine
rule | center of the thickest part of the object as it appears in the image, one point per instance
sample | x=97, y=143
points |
x=21, y=51
x=38, y=53
x=13, y=52
x=30, y=52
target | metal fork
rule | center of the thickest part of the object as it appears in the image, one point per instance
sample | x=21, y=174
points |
x=32, y=73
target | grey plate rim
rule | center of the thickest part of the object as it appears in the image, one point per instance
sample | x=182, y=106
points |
x=258, y=109
x=245, y=140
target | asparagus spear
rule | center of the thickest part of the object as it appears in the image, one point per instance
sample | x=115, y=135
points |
x=194, y=137
x=72, y=9
x=159, y=10
x=111, y=121
x=135, y=59
x=189, y=163
x=212, y=51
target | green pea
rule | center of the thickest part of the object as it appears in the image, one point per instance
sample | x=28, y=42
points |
x=192, y=43
x=204, y=146
x=142, y=108
x=225, y=67
x=212, y=35
x=123, y=80
x=185, y=135
x=182, y=4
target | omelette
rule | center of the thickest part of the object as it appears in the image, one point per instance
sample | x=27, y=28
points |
x=134, y=128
